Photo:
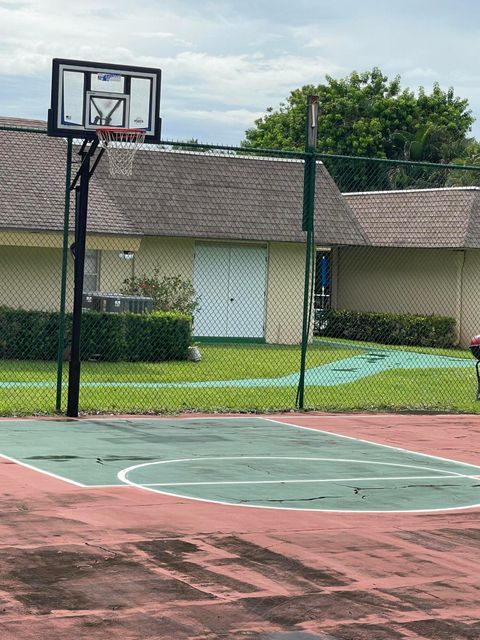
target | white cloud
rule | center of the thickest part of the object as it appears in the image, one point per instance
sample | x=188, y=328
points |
x=236, y=117
x=419, y=73
x=241, y=80
x=224, y=62
x=153, y=34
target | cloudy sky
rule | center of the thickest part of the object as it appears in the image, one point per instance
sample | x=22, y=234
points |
x=225, y=61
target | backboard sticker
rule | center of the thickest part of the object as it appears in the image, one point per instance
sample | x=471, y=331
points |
x=109, y=77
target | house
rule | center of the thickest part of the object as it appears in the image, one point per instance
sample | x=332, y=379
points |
x=423, y=255
x=231, y=224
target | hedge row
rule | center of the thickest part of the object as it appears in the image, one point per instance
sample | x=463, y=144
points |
x=33, y=335
x=387, y=328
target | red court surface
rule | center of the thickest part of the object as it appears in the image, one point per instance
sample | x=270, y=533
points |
x=124, y=563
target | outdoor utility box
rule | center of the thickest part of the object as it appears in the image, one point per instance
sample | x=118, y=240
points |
x=110, y=302
x=138, y=304
x=116, y=302
x=87, y=300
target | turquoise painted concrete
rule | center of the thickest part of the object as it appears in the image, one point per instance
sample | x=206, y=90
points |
x=368, y=363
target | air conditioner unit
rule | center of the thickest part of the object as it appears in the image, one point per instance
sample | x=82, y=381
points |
x=87, y=300
x=138, y=304
x=116, y=302
x=109, y=302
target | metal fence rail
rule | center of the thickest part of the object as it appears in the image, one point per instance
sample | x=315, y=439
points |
x=195, y=288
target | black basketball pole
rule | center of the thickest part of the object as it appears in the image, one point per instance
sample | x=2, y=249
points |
x=308, y=225
x=78, y=251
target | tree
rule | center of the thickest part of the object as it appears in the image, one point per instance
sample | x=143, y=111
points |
x=470, y=158
x=363, y=115
x=191, y=145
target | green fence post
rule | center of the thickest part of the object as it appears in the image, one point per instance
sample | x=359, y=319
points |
x=308, y=226
x=63, y=286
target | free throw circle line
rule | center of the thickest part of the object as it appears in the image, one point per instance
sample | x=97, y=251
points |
x=304, y=481
x=122, y=475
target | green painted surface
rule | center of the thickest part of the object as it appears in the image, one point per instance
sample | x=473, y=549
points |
x=243, y=461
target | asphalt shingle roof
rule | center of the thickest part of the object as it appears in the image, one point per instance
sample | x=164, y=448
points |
x=32, y=188
x=434, y=218
x=231, y=197
x=172, y=193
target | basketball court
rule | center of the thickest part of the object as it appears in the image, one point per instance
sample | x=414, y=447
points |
x=285, y=526
x=291, y=526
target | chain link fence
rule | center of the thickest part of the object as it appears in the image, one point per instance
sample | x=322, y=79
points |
x=194, y=295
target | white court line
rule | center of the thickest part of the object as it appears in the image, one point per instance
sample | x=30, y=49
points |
x=366, y=478
x=57, y=477
x=122, y=476
x=302, y=458
x=46, y=473
x=357, y=512
x=246, y=418
x=370, y=442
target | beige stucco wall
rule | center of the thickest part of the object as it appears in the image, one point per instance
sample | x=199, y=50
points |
x=425, y=281
x=31, y=239
x=30, y=275
x=172, y=256
x=397, y=280
x=421, y=281
x=470, y=298
x=284, y=310
x=113, y=271
x=175, y=256
x=286, y=264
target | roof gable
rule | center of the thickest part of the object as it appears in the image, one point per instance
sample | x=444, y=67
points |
x=433, y=218
x=172, y=193
x=230, y=197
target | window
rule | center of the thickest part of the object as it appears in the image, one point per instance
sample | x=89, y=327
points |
x=91, y=279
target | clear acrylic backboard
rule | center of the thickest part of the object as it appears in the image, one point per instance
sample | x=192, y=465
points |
x=87, y=96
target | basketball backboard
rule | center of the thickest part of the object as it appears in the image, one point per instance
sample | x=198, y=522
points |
x=91, y=95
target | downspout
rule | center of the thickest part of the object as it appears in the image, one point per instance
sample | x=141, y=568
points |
x=334, y=270
x=459, y=295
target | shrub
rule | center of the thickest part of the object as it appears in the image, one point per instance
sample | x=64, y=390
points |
x=158, y=336
x=387, y=328
x=171, y=293
x=33, y=335
x=103, y=336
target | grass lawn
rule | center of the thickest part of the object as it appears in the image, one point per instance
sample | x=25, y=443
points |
x=448, y=389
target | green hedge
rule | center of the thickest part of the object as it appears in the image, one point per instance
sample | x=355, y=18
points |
x=33, y=335
x=387, y=328
x=161, y=335
x=103, y=336
x=28, y=335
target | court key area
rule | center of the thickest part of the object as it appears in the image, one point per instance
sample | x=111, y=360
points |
x=256, y=462
x=292, y=526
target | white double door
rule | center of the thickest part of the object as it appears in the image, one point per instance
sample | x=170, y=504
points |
x=230, y=281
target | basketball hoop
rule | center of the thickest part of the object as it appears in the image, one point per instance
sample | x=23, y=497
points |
x=121, y=146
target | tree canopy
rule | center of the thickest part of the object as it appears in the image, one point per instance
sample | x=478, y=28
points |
x=366, y=114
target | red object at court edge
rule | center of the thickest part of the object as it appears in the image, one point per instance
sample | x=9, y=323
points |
x=475, y=347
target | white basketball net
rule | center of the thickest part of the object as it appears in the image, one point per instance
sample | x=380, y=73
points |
x=121, y=146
